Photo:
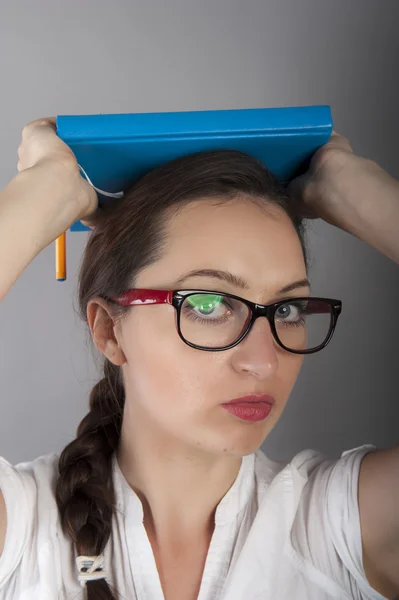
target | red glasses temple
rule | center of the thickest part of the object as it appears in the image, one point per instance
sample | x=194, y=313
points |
x=136, y=297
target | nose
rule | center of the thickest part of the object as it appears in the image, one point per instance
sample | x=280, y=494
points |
x=257, y=353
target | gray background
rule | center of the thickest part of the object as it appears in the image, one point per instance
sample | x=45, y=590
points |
x=92, y=56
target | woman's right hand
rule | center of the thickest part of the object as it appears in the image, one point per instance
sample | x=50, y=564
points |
x=42, y=201
x=52, y=161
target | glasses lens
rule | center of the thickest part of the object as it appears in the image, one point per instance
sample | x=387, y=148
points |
x=303, y=324
x=212, y=320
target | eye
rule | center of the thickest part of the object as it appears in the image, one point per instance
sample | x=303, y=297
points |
x=207, y=304
x=291, y=312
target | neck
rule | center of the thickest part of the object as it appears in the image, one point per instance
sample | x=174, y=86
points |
x=179, y=486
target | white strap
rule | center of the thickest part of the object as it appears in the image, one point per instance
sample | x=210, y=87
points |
x=93, y=568
x=109, y=194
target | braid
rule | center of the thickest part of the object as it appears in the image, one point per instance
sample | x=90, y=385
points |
x=84, y=491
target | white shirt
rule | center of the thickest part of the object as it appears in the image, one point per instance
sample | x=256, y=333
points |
x=281, y=532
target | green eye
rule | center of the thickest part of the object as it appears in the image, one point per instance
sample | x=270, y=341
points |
x=205, y=303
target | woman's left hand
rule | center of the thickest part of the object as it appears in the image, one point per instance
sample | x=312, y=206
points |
x=333, y=174
x=352, y=193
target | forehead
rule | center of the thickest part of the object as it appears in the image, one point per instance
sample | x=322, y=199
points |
x=258, y=243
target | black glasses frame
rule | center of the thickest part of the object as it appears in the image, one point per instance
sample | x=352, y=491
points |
x=256, y=311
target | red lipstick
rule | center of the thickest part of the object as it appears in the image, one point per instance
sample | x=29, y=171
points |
x=250, y=408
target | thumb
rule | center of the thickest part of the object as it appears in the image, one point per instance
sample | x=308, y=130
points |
x=298, y=190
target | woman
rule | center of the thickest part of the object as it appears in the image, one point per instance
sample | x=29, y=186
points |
x=165, y=493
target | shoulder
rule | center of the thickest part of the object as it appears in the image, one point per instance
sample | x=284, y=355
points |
x=312, y=488
x=30, y=516
x=35, y=477
x=304, y=467
x=3, y=524
x=28, y=488
x=323, y=515
x=311, y=465
x=328, y=486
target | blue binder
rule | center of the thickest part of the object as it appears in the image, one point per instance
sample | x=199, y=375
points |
x=114, y=150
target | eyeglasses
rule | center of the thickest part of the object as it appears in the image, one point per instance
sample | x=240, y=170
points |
x=215, y=321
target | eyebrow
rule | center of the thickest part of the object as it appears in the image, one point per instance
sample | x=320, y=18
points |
x=237, y=281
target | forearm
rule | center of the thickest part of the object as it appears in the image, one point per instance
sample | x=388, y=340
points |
x=370, y=210
x=31, y=209
x=19, y=243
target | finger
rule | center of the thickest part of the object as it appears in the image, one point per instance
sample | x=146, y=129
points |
x=298, y=190
x=93, y=219
x=87, y=224
x=49, y=122
x=339, y=142
x=46, y=121
x=296, y=186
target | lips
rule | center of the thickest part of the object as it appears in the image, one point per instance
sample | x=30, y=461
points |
x=250, y=408
x=252, y=399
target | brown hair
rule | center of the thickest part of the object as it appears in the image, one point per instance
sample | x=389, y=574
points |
x=129, y=237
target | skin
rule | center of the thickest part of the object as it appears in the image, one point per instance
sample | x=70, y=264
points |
x=179, y=449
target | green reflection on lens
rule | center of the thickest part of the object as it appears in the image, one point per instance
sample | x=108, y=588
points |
x=206, y=303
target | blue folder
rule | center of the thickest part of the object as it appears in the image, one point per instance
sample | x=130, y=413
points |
x=114, y=150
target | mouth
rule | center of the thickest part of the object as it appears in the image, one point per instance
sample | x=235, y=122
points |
x=250, y=408
x=252, y=399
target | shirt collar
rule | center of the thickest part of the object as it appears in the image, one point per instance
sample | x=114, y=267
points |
x=233, y=502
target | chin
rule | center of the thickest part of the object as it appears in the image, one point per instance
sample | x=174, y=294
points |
x=239, y=444
x=246, y=437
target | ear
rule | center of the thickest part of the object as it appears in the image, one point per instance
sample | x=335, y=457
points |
x=103, y=330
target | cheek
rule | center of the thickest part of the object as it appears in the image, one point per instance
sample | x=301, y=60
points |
x=292, y=365
x=161, y=370
x=289, y=369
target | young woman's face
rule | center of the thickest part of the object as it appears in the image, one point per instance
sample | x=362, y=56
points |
x=176, y=391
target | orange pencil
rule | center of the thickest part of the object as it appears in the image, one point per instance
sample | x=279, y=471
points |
x=60, y=258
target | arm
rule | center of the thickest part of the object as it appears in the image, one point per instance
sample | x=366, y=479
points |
x=3, y=523
x=359, y=197
x=41, y=202
x=352, y=193
x=371, y=210
x=379, y=519
x=372, y=214
x=32, y=215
